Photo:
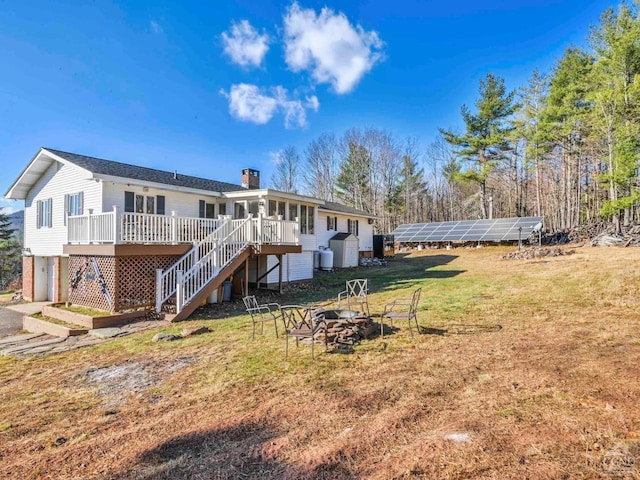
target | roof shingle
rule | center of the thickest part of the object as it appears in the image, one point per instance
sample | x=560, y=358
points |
x=109, y=167
x=338, y=207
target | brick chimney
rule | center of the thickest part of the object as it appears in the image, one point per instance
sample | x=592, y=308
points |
x=250, y=178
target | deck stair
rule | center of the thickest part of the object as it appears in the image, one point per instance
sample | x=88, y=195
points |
x=166, y=281
x=227, y=248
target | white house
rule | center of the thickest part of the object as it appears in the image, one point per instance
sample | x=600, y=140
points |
x=113, y=236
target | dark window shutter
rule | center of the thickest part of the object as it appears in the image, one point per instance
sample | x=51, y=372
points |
x=129, y=200
x=328, y=223
x=335, y=223
x=201, y=209
x=357, y=230
x=160, y=204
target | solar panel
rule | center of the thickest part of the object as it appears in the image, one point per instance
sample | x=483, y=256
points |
x=495, y=230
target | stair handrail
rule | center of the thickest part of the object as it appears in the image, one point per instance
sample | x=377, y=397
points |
x=166, y=280
x=190, y=282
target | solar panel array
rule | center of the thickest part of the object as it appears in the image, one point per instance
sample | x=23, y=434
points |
x=496, y=230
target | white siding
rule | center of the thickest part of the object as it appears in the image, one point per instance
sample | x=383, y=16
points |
x=184, y=204
x=57, y=181
x=365, y=236
x=365, y=231
x=295, y=266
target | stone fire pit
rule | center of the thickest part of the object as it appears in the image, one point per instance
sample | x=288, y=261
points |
x=345, y=327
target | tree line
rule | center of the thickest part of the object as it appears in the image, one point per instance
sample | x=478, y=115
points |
x=10, y=253
x=564, y=146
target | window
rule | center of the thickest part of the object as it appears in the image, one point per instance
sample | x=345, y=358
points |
x=206, y=210
x=43, y=213
x=239, y=210
x=254, y=208
x=332, y=223
x=222, y=209
x=144, y=203
x=352, y=226
x=277, y=208
x=210, y=210
x=303, y=219
x=73, y=204
x=293, y=211
x=306, y=219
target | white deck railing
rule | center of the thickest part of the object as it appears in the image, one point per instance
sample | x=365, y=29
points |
x=140, y=228
x=99, y=228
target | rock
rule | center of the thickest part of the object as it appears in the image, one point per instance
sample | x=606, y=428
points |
x=164, y=337
x=458, y=437
x=190, y=331
x=105, y=332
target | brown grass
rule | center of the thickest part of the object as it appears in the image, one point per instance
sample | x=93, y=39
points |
x=534, y=364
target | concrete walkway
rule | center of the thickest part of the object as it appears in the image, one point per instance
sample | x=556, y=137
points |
x=11, y=316
x=40, y=344
x=10, y=322
x=28, y=308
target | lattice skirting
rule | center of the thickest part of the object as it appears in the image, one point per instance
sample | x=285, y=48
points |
x=115, y=283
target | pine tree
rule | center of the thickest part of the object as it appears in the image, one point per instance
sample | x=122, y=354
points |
x=6, y=232
x=352, y=184
x=10, y=252
x=563, y=129
x=533, y=99
x=486, y=140
x=616, y=113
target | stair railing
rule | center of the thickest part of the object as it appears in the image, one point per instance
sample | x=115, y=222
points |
x=190, y=282
x=166, y=281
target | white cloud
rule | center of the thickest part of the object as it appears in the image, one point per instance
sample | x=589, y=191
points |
x=155, y=27
x=244, y=45
x=9, y=206
x=329, y=46
x=249, y=103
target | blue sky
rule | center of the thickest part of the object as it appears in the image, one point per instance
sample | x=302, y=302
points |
x=210, y=89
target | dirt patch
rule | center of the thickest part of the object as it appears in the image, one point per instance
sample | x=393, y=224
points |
x=117, y=381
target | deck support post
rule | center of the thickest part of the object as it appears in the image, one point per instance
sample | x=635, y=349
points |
x=245, y=288
x=158, y=290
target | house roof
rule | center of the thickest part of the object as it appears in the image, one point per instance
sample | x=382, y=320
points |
x=109, y=169
x=124, y=170
x=339, y=208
